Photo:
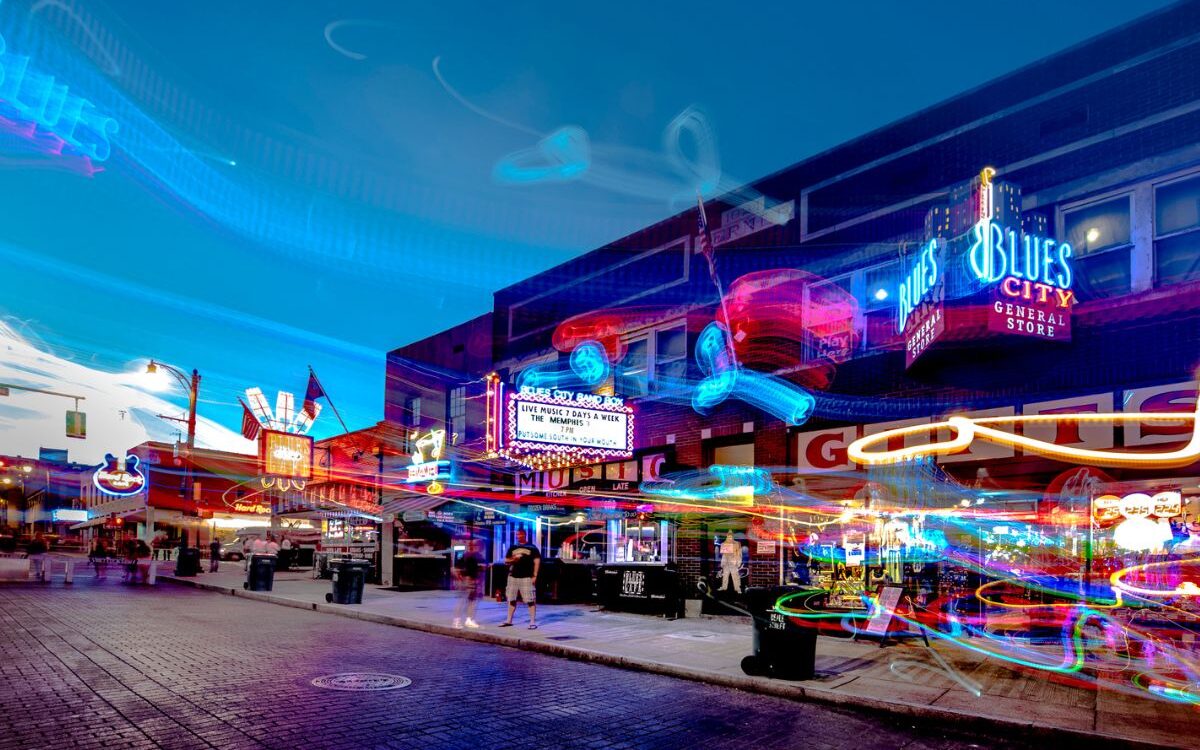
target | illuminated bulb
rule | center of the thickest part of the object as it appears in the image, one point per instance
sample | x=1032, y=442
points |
x=881, y=294
x=1093, y=234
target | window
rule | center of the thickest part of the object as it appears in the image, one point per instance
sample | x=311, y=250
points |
x=1177, y=231
x=741, y=454
x=653, y=361
x=458, y=412
x=1100, y=237
x=633, y=378
x=881, y=289
x=414, y=411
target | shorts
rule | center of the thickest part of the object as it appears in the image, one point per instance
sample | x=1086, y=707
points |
x=522, y=586
x=469, y=584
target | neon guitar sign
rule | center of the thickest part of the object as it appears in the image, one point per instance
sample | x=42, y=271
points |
x=119, y=477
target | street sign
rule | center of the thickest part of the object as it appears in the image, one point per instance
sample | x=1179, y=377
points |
x=76, y=424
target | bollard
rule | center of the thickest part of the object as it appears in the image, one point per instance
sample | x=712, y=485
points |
x=153, y=573
x=69, y=565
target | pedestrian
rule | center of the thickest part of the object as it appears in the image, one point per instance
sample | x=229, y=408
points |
x=247, y=550
x=285, y=553
x=466, y=570
x=36, y=552
x=524, y=561
x=272, y=546
x=214, y=554
x=141, y=562
x=99, y=558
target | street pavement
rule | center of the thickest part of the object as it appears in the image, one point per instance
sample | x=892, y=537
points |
x=106, y=665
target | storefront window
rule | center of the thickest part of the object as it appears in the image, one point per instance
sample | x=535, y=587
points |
x=829, y=319
x=458, y=411
x=653, y=360
x=1100, y=235
x=636, y=540
x=1177, y=231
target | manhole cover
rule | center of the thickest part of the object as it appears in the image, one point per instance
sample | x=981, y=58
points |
x=361, y=681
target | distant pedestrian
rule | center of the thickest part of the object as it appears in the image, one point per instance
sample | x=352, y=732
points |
x=272, y=547
x=214, y=554
x=247, y=550
x=37, y=554
x=285, y=553
x=467, y=572
x=523, y=562
x=141, y=562
x=99, y=558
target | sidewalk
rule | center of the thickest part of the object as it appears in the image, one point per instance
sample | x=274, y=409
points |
x=710, y=649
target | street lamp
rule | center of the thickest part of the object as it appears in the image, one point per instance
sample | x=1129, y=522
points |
x=191, y=385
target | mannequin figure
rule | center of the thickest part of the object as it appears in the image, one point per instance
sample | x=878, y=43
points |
x=731, y=562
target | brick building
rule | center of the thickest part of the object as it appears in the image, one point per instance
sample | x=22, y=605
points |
x=1095, y=146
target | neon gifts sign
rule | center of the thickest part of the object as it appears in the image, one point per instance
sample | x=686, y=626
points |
x=36, y=97
x=119, y=477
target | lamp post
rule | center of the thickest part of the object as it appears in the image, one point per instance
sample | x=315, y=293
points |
x=191, y=385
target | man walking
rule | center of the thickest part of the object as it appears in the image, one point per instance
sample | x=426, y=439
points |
x=523, y=562
x=214, y=554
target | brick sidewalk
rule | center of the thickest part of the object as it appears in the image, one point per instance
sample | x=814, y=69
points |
x=710, y=649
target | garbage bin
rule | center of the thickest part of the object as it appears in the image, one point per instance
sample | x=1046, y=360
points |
x=348, y=579
x=783, y=648
x=188, y=562
x=260, y=575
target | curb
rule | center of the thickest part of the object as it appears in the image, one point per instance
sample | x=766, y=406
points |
x=1028, y=730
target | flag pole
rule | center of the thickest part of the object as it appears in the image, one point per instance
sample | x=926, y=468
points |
x=330, y=400
x=710, y=256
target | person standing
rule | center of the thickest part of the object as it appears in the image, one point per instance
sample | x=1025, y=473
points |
x=524, y=561
x=214, y=555
x=285, y=553
x=37, y=555
x=467, y=570
x=272, y=545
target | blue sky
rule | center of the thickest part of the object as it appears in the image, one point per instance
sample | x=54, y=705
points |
x=417, y=233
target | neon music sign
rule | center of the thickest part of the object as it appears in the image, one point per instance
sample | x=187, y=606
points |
x=919, y=283
x=119, y=477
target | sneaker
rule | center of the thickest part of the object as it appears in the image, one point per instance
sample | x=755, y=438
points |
x=457, y=624
x=471, y=623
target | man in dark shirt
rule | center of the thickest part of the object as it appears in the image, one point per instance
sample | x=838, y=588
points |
x=523, y=562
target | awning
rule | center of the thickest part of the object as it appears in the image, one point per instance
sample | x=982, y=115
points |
x=414, y=503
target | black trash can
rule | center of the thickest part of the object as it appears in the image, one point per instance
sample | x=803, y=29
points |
x=188, y=562
x=349, y=576
x=260, y=575
x=783, y=648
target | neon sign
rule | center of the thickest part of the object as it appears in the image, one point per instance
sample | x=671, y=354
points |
x=921, y=315
x=37, y=98
x=966, y=430
x=920, y=282
x=119, y=477
x=427, y=465
x=286, y=459
x=1031, y=275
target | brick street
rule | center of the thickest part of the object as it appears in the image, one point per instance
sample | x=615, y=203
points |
x=109, y=666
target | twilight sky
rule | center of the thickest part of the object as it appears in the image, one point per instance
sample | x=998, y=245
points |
x=299, y=183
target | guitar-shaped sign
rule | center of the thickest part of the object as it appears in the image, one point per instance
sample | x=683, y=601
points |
x=119, y=476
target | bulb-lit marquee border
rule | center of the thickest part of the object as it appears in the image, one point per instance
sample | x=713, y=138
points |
x=967, y=430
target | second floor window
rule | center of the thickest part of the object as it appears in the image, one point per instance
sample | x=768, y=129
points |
x=653, y=359
x=1177, y=231
x=458, y=412
x=1100, y=236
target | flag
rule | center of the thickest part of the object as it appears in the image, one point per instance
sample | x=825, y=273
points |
x=312, y=393
x=250, y=425
x=706, y=247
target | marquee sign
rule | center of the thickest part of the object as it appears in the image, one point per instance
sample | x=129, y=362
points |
x=119, y=477
x=545, y=427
